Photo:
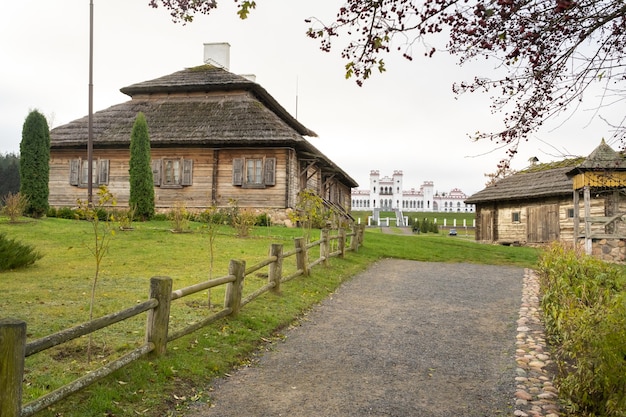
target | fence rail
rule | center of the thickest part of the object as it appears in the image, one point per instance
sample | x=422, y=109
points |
x=14, y=348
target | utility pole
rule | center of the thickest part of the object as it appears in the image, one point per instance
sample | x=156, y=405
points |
x=90, y=124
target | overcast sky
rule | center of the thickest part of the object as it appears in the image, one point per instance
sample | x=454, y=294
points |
x=406, y=119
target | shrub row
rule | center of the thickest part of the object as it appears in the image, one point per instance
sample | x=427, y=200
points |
x=220, y=216
x=584, y=307
x=425, y=226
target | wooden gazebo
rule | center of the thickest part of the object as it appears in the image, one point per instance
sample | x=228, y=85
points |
x=602, y=176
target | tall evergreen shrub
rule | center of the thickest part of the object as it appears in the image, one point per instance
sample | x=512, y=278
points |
x=141, y=180
x=34, y=163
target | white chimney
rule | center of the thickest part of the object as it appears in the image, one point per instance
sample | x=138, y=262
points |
x=217, y=54
x=249, y=77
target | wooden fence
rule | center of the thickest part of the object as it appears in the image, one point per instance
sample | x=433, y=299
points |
x=14, y=348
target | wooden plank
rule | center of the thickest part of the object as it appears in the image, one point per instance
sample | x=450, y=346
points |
x=86, y=328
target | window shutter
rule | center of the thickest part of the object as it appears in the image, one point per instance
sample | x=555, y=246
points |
x=237, y=171
x=74, y=171
x=103, y=173
x=187, y=172
x=156, y=172
x=270, y=171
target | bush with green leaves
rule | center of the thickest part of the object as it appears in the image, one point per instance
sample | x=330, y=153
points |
x=243, y=220
x=179, y=217
x=263, y=219
x=14, y=254
x=310, y=212
x=66, y=213
x=584, y=307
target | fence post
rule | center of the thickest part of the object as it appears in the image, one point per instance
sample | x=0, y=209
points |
x=302, y=257
x=360, y=234
x=12, y=351
x=325, y=247
x=354, y=240
x=342, y=243
x=232, y=299
x=276, y=268
x=159, y=317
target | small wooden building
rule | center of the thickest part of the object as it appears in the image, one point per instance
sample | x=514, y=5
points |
x=542, y=203
x=215, y=137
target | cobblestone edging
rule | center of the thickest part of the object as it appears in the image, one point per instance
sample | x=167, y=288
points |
x=535, y=394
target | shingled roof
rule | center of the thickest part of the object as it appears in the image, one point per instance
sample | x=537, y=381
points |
x=200, y=106
x=602, y=158
x=551, y=179
x=532, y=183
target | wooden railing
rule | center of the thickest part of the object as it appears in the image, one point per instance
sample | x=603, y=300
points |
x=14, y=348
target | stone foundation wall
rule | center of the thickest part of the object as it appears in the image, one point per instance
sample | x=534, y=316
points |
x=279, y=217
x=611, y=250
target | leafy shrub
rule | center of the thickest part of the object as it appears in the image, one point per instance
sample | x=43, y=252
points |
x=125, y=218
x=263, y=219
x=160, y=217
x=14, y=254
x=213, y=215
x=179, y=217
x=310, y=212
x=66, y=213
x=52, y=212
x=584, y=307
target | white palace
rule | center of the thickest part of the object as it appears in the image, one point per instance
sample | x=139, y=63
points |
x=388, y=194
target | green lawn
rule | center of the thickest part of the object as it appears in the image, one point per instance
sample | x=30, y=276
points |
x=54, y=294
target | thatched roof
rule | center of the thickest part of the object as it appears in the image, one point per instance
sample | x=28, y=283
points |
x=201, y=106
x=528, y=184
x=178, y=112
x=208, y=78
x=236, y=120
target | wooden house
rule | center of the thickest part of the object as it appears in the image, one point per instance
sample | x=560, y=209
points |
x=215, y=137
x=542, y=203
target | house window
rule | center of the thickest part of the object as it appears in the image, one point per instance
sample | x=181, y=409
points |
x=79, y=172
x=172, y=172
x=254, y=172
x=570, y=213
x=516, y=217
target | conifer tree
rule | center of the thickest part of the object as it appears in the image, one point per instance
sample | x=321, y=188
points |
x=140, y=169
x=9, y=174
x=34, y=163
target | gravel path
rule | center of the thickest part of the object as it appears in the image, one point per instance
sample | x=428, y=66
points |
x=402, y=339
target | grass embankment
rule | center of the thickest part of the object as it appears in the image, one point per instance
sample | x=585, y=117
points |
x=54, y=294
x=440, y=217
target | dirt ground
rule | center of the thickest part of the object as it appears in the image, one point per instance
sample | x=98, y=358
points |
x=402, y=339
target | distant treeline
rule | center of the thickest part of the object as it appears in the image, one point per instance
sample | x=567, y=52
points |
x=9, y=174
